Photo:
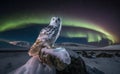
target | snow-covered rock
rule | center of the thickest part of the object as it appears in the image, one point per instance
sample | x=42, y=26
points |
x=34, y=66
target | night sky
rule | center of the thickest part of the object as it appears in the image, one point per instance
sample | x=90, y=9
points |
x=104, y=14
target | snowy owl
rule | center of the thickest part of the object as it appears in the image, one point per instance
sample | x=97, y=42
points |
x=47, y=36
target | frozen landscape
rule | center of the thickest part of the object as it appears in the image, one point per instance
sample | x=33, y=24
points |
x=86, y=31
x=97, y=61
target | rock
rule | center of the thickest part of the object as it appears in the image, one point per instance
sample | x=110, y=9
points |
x=57, y=57
x=117, y=54
x=77, y=65
x=105, y=55
x=93, y=70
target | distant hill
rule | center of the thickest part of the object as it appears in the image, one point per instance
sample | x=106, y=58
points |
x=111, y=47
x=76, y=44
x=8, y=46
x=21, y=43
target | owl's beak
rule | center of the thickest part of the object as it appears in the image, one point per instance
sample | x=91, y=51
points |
x=56, y=21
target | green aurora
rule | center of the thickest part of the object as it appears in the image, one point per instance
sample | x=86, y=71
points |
x=18, y=21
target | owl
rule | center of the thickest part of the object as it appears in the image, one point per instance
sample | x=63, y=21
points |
x=47, y=36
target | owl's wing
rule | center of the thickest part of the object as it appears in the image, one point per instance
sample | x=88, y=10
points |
x=34, y=50
x=40, y=42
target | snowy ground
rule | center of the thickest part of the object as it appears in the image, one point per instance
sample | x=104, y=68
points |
x=106, y=65
x=13, y=60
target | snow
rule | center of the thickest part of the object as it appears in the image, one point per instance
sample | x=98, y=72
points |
x=106, y=65
x=111, y=47
x=11, y=61
x=34, y=66
x=18, y=60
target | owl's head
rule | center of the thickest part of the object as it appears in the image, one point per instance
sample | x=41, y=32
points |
x=56, y=21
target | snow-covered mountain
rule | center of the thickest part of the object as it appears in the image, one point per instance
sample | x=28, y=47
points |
x=111, y=47
x=5, y=45
x=21, y=43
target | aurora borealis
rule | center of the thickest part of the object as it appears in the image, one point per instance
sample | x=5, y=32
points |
x=22, y=21
x=21, y=16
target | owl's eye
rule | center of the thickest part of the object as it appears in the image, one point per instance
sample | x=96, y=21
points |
x=58, y=19
x=53, y=19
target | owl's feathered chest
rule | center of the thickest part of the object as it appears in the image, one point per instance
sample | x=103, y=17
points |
x=49, y=33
